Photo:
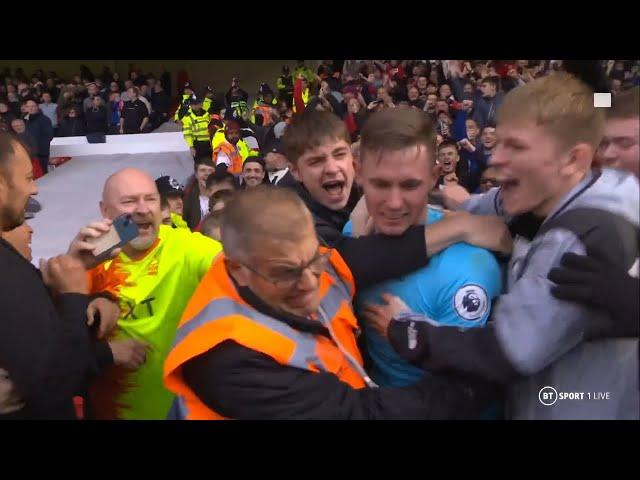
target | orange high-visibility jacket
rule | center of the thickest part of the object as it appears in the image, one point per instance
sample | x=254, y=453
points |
x=234, y=155
x=217, y=313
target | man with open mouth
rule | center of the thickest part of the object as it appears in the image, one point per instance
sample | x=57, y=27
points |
x=153, y=278
x=548, y=132
x=397, y=171
x=318, y=147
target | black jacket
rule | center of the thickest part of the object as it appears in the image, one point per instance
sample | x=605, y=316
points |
x=28, y=139
x=238, y=95
x=97, y=119
x=160, y=103
x=165, y=81
x=287, y=180
x=44, y=346
x=72, y=127
x=39, y=126
x=241, y=383
x=329, y=223
x=192, y=214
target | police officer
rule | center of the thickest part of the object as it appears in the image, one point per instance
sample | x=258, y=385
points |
x=185, y=102
x=284, y=84
x=195, y=127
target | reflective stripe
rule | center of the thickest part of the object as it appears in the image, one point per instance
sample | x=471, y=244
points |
x=196, y=128
x=306, y=343
x=346, y=288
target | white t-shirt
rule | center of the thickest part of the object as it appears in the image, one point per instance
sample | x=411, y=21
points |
x=204, y=206
x=222, y=158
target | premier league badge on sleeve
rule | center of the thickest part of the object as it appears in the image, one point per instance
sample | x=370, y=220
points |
x=471, y=302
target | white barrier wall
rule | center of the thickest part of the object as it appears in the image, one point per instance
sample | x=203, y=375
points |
x=70, y=194
x=142, y=143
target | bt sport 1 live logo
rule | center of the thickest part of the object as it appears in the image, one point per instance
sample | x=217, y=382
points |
x=549, y=395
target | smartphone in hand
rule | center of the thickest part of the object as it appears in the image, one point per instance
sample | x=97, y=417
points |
x=122, y=231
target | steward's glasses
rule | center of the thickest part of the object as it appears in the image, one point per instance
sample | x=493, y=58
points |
x=286, y=278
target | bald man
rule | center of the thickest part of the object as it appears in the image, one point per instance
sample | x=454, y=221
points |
x=153, y=278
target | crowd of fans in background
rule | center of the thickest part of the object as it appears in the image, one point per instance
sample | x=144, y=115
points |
x=460, y=96
x=245, y=143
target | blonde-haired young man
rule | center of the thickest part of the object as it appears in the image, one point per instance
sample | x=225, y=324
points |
x=554, y=203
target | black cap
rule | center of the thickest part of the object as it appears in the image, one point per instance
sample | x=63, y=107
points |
x=195, y=99
x=188, y=85
x=208, y=88
x=275, y=147
x=265, y=89
x=168, y=186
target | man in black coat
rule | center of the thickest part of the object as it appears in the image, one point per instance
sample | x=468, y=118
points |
x=160, y=104
x=47, y=354
x=40, y=128
x=277, y=166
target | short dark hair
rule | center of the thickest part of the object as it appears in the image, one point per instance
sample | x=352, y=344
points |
x=448, y=144
x=164, y=203
x=204, y=160
x=495, y=81
x=8, y=143
x=220, y=176
x=309, y=130
x=255, y=159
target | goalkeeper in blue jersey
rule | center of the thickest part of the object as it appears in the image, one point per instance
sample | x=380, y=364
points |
x=397, y=171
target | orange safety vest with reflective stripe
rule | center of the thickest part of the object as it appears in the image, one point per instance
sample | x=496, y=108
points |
x=265, y=111
x=216, y=313
x=232, y=153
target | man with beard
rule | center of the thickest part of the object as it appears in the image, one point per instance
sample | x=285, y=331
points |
x=153, y=278
x=46, y=351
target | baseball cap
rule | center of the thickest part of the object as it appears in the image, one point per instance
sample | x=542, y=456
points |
x=168, y=185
